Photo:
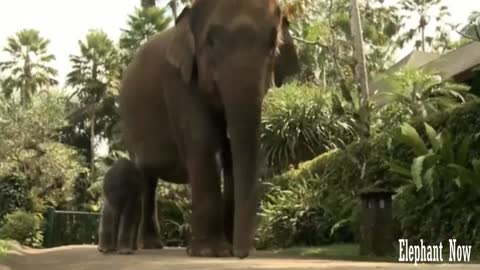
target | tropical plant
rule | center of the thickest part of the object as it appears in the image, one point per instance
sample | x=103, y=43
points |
x=300, y=122
x=441, y=180
x=444, y=161
x=30, y=151
x=421, y=93
x=424, y=11
x=94, y=77
x=141, y=25
x=23, y=227
x=28, y=68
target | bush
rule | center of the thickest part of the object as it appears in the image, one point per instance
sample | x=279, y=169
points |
x=174, y=211
x=334, y=180
x=441, y=182
x=23, y=227
x=298, y=124
x=13, y=195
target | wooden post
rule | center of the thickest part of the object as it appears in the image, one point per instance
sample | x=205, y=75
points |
x=376, y=228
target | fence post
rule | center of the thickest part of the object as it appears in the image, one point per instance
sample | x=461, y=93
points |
x=50, y=228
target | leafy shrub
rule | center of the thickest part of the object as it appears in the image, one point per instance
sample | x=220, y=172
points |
x=441, y=182
x=174, y=212
x=422, y=94
x=29, y=149
x=335, y=179
x=13, y=195
x=298, y=124
x=23, y=227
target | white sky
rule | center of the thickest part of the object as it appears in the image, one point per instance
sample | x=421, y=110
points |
x=65, y=22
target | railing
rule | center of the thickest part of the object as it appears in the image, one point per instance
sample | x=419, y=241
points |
x=70, y=228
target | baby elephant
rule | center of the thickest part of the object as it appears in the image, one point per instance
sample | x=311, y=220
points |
x=123, y=189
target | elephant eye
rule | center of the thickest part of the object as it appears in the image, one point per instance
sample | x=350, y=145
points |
x=214, y=34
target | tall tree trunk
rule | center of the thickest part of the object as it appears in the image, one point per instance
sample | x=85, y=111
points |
x=92, y=139
x=361, y=67
x=148, y=3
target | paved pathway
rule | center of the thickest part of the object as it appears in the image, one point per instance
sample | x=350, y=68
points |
x=87, y=258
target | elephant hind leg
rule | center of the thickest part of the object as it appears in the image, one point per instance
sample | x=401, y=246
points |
x=109, y=222
x=151, y=237
x=131, y=214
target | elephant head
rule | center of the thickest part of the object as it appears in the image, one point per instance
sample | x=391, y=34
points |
x=229, y=50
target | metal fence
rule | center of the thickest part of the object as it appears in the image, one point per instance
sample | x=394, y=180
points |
x=70, y=228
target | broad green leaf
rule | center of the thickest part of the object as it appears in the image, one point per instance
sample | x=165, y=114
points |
x=418, y=168
x=447, y=150
x=476, y=166
x=462, y=153
x=432, y=136
x=429, y=175
x=464, y=174
x=400, y=168
x=411, y=137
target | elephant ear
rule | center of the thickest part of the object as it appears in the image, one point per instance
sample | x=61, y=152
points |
x=286, y=63
x=181, y=51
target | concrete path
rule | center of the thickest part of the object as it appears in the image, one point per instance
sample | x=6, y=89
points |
x=87, y=258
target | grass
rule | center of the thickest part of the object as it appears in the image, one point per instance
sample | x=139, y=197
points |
x=4, y=247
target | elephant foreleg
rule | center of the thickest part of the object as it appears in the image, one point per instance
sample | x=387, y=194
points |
x=208, y=234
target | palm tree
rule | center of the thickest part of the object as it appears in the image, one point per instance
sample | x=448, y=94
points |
x=425, y=11
x=142, y=24
x=94, y=76
x=147, y=3
x=28, y=70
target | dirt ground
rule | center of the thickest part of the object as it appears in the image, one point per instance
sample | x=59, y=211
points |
x=87, y=258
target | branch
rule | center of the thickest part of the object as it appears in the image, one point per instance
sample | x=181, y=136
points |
x=316, y=43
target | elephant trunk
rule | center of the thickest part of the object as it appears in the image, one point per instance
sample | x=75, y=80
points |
x=243, y=104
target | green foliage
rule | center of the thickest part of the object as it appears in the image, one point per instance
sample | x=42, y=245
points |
x=322, y=31
x=444, y=180
x=426, y=12
x=175, y=210
x=13, y=195
x=4, y=247
x=95, y=77
x=23, y=227
x=418, y=93
x=30, y=151
x=142, y=24
x=389, y=116
x=327, y=187
x=298, y=123
x=28, y=68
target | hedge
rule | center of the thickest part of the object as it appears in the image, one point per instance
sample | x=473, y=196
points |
x=338, y=176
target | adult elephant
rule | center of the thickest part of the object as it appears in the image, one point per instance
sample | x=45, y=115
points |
x=194, y=91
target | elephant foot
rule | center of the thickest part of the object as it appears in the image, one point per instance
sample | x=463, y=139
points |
x=153, y=243
x=106, y=250
x=209, y=248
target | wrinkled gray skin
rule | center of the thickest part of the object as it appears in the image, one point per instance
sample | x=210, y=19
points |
x=123, y=189
x=183, y=90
